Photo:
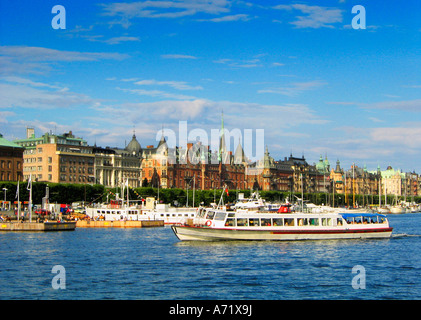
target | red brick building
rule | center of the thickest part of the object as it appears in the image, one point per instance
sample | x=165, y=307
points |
x=11, y=161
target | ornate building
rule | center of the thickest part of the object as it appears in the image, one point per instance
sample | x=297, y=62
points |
x=195, y=166
x=114, y=166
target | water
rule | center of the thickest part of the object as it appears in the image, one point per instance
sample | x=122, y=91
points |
x=154, y=264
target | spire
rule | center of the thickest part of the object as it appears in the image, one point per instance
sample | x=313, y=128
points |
x=222, y=146
x=162, y=141
x=239, y=156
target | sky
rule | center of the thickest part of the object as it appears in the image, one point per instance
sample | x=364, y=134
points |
x=314, y=81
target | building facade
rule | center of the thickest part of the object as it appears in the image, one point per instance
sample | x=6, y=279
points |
x=57, y=158
x=11, y=160
x=115, y=166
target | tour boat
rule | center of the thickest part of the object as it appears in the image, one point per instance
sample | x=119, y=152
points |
x=218, y=224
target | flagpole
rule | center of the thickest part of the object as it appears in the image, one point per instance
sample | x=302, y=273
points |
x=194, y=184
x=30, y=197
x=17, y=192
x=127, y=184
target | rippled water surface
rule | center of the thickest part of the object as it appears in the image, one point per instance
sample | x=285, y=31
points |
x=154, y=264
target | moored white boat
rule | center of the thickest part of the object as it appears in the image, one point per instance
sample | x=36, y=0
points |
x=397, y=209
x=118, y=211
x=215, y=224
x=255, y=202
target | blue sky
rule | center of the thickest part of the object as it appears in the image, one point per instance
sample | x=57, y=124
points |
x=296, y=69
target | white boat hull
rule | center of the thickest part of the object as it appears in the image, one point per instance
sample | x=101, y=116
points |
x=186, y=233
x=397, y=210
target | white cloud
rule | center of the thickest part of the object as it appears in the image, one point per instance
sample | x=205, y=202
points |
x=19, y=80
x=125, y=11
x=117, y=40
x=251, y=63
x=179, y=85
x=403, y=105
x=48, y=55
x=37, y=97
x=157, y=94
x=295, y=88
x=38, y=60
x=177, y=56
x=316, y=16
x=235, y=17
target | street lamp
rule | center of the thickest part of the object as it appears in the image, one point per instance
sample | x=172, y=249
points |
x=5, y=193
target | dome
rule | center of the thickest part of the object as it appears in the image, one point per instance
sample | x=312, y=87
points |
x=133, y=146
x=321, y=166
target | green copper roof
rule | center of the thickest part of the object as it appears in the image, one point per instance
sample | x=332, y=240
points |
x=7, y=143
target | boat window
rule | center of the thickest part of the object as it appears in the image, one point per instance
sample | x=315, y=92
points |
x=231, y=215
x=254, y=222
x=314, y=221
x=210, y=215
x=220, y=215
x=350, y=220
x=374, y=219
x=266, y=222
x=289, y=222
x=230, y=222
x=326, y=221
x=303, y=222
x=278, y=221
x=382, y=220
x=358, y=220
x=339, y=222
x=242, y=222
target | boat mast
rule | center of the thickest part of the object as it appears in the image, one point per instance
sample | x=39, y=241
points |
x=30, y=197
x=17, y=192
x=221, y=199
x=353, y=185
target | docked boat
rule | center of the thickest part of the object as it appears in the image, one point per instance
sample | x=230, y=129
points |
x=397, y=209
x=219, y=224
x=255, y=202
x=116, y=210
x=173, y=215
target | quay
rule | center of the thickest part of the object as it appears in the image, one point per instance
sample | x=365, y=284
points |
x=38, y=226
x=119, y=224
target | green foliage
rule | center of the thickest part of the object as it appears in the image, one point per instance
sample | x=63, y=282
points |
x=59, y=193
x=68, y=193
